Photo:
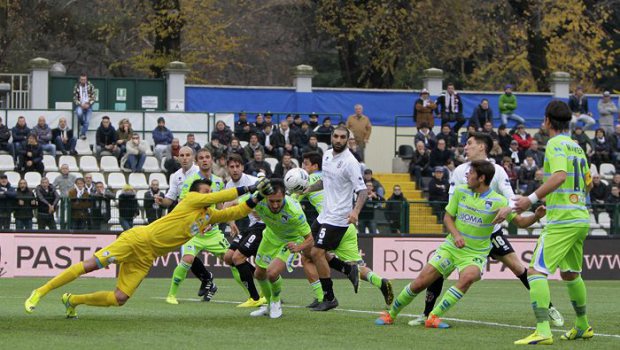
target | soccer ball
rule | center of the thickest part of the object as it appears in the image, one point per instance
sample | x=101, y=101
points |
x=296, y=180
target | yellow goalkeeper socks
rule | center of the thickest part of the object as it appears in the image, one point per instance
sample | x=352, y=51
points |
x=68, y=275
x=94, y=299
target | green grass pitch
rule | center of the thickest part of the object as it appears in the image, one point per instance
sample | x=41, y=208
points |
x=492, y=315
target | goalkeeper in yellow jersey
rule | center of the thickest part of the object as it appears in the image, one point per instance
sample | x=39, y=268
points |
x=135, y=249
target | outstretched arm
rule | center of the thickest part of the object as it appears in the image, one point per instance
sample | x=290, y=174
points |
x=527, y=221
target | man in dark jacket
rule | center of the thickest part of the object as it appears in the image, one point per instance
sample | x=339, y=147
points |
x=448, y=136
x=5, y=135
x=44, y=136
x=162, y=138
x=481, y=114
x=106, y=138
x=257, y=165
x=31, y=156
x=440, y=155
x=273, y=142
x=20, y=133
x=100, y=211
x=438, y=192
x=578, y=104
x=7, y=202
x=63, y=138
x=312, y=146
x=127, y=207
x=48, y=199
x=222, y=132
x=153, y=210
x=243, y=128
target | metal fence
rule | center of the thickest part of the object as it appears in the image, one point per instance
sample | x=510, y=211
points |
x=19, y=96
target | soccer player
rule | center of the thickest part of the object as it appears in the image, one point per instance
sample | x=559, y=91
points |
x=347, y=253
x=245, y=243
x=342, y=177
x=135, y=249
x=477, y=148
x=469, y=219
x=212, y=241
x=567, y=181
x=287, y=234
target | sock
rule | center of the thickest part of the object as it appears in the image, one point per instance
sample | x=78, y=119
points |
x=327, y=285
x=247, y=277
x=539, y=297
x=265, y=287
x=94, y=299
x=374, y=279
x=432, y=293
x=578, y=295
x=179, y=275
x=68, y=275
x=237, y=277
x=276, y=288
x=450, y=297
x=200, y=271
x=318, y=290
x=339, y=265
x=523, y=278
x=405, y=297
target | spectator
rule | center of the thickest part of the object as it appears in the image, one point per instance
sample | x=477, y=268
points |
x=583, y=140
x=523, y=139
x=314, y=121
x=243, y=129
x=284, y=166
x=106, y=138
x=191, y=143
x=527, y=173
x=460, y=156
x=172, y=164
x=255, y=166
x=615, y=145
x=420, y=164
x=63, y=138
x=290, y=120
x=508, y=105
x=450, y=108
x=151, y=207
x=123, y=135
x=602, y=148
x=578, y=104
x=259, y=123
x=394, y=209
x=542, y=136
x=127, y=207
x=31, y=156
x=536, y=154
x=80, y=205
x=216, y=148
x=313, y=146
x=222, y=133
x=89, y=185
x=466, y=135
x=598, y=195
x=273, y=143
x=427, y=137
x=252, y=147
x=25, y=203
x=504, y=138
x=297, y=122
x=289, y=139
x=533, y=186
x=423, y=110
x=367, y=214
x=481, y=115
x=612, y=203
x=303, y=134
x=20, y=134
x=162, y=138
x=324, y=132
x=83, y=98
x=438, y=192
x=450, y=168
x=101, y=208
x=220, y=167
x=440, y=155
x=44, y=136
x=5, y=135
x=448, y=136
x=615, y=181
x=606, y=111
x=376, y=185
x=136, y=154
x=354, y=149
x=268, y=121
x=7, y=202
x=65, y=181
x=510, y=171
x=48, y=199
x=488, y=129
x=514, y=153
x=235, y=148
x=496, y=153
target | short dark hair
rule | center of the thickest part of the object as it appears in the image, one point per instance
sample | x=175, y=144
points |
x=559, y=115
x=484, y=138
x=235, y=158
x=278, y=185
x=314, y=158
x=196, y=184
x=483, y=167
x=105, y=117
x=450, y=84
x=342, y=127
x=83, y=74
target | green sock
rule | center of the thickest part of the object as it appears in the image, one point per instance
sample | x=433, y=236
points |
x=450, y=297
x=276, y=288
x=539, y=297
x=265, y=287
x=578, y=296
x=374, y=279
x=404, y=298
x=317, y=289
x=237, y=278
x=180, y=273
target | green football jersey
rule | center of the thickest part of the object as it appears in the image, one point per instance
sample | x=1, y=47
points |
x=217, y=184
x=315, y=198
x=474, y=214
x=287, y=225
x=567, y=204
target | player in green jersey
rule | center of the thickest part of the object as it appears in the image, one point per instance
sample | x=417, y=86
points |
x=469, y=219
x=346, y=257
x=287, y=233
x=567, y=182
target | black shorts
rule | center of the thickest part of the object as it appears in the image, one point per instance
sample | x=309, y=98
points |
x=500, y=245
x=248, y=240
x=327, y=236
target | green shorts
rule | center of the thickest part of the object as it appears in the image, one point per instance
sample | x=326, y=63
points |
x=213, y=242
x=272, y=248
x=559, y=246
x=348, y=250
x=448, y=257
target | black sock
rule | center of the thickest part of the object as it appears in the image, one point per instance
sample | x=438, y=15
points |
x=523, y=278
x=200, y=271
x=328, y=291
x=339, y=265
x=246, y=273
x=432, y=294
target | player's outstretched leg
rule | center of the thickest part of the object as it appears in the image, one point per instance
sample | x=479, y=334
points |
x=432, y=294
x=102, y=299
x=179, y=275
x=207, y=286
x=539, y=297
x=468, y=276
x=350, y=270
x=246, y=274
x=384, y=285
x=578, y=295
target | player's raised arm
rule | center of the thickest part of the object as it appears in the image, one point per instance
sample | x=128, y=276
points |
x=201, y=200
x=317, y=186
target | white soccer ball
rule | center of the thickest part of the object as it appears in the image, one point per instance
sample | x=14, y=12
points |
x=296, y=180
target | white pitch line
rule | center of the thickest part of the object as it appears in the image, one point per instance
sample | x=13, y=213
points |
x=486, y=323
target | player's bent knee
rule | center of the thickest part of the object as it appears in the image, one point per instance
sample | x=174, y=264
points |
x=260, y=273
x=238, y=258
x=272, y=275
x=121, y=298
x=228, y=257
x=188, y=259
x=318, y=253
x=568, y=276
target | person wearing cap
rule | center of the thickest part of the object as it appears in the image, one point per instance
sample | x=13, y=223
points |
x=481, y=115
x=423, y=110
x=523, y=138
x=361, y=127
x=377, y=186
x=450, y=107
x=508, y=105
x=314, y=121
x=438, y=191
x=578, y=104
x=324, y=132
x=7, y=202
x=243, y=128
x=5, y=135
x=606, y=110
x=514, y=153
x=162, y=138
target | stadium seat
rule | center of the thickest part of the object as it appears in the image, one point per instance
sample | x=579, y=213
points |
x=70, y=161
x=537, y=231
x=323, y=146
x=593, y=170
x=163, y=182
x=140, y=195
x=405, y=151
x=82, y=147
x=604, y=219
x=151, y=165
x=109, y=164
x=88, y=164
x=49, y=163
x=149, y=149
x=77, y=174
x=33, y=179
x=593, y=223
x=607, y=171
x=13, y=177
x=295, y=161
x=52, y=175
x=272, y=163
x=116, y=181
x=98, y=177
x=598, y=232
x=138, y=181
x=6, y=163
x=522, y=232
x=243, y=143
